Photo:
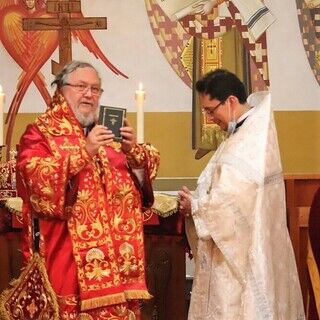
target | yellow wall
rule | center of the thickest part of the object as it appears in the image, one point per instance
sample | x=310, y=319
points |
x=299, y=139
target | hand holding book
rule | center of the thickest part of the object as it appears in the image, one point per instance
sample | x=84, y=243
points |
x=113, y=119
x=129, y=138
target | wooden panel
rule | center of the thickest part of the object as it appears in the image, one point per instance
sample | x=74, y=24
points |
x=300, y=190
x=165, y=259
x=10, y=258
x=303, y=213
x=4, y=263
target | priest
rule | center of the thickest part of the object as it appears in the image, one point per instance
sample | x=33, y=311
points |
x=78, y=185
x=236, y=218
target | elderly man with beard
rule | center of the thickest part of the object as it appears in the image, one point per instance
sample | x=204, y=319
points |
x=78, y=184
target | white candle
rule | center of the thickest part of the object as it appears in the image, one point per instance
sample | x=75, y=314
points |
x=140, y=97
x=2, y=98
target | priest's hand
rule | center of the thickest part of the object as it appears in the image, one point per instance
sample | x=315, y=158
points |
x=185, y=201
x=128, y=136
x=98, y=136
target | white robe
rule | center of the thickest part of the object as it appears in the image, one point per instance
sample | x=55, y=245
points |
x=245, y=265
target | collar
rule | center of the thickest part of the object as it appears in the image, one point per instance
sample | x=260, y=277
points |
x=243, y=118
x=245, y=115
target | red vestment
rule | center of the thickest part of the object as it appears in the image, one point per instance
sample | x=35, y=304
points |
x=89, y=212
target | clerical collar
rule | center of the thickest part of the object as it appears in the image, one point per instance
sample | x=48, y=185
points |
x=243, y=118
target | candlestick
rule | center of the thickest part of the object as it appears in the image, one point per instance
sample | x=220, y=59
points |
x=2, y=99
x=140, y=98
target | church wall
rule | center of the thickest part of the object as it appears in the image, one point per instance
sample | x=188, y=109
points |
x=293, y=85
x=130, y=44
x=171, y=134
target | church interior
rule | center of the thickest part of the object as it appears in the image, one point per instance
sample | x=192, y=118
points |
x=141, y=46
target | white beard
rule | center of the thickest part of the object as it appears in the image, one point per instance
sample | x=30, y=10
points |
x=88, y=120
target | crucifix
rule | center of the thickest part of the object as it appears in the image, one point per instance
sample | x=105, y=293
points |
x=64, y=23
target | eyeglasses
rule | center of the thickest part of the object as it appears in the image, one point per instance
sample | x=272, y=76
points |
x=210, y=111
x=83, y=88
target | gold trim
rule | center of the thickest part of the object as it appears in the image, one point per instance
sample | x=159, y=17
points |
x=187, y=57
x=85, y=316
x=165, y=205
x=114, y=299
x=211, y=54
x=15, y=283
x=137, y=294
x=14, y=205
x=102, y=301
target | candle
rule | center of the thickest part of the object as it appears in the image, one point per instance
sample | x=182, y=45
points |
x=2, y=97
x=140, y=97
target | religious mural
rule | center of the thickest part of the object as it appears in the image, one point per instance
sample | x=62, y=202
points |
x=205, y=24
x=31, y=30
x=178, y=25
x=309, y=22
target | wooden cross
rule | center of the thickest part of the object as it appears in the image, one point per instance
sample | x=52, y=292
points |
x=64, y=23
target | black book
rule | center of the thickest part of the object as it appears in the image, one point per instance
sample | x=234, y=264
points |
x=113, y=118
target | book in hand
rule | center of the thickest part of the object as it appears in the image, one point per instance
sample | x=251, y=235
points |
x=113, y=118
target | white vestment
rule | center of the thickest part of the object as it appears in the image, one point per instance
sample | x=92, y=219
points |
x=255, y=15
x=245, y=265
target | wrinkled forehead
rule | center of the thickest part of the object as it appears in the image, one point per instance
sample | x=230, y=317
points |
x=86, y=75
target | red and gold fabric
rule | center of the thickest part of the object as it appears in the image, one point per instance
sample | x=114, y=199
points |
x=8, y=180
x=8, y=192
x=89, y=211
x=31, y=296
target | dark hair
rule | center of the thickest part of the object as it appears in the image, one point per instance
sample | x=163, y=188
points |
x=220, y=84
x=62, y=77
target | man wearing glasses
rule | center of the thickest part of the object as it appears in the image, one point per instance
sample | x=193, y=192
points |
x=236, y=218
x=78, y=183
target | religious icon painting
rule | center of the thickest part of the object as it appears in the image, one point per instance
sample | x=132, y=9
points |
x=206, y=35
x=31, y=30
x=209, y=54
x=309, y=21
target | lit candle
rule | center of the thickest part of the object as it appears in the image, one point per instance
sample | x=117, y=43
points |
x=140, y=97
x=2, y=97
